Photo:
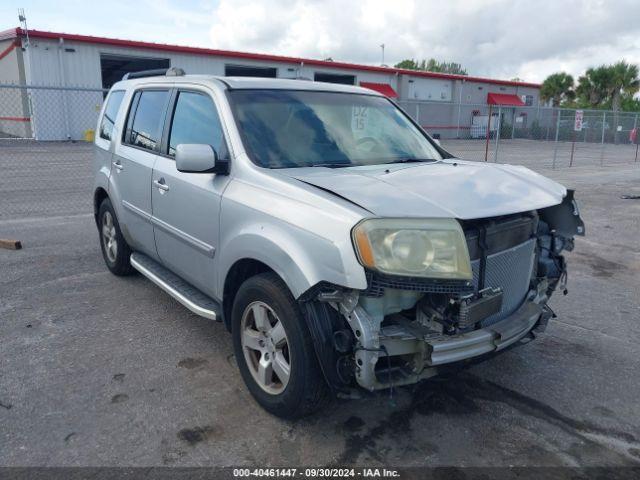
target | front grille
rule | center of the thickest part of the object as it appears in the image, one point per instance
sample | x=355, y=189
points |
x=377, y=283
x=510, y=270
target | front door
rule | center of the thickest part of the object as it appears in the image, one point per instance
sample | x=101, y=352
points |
x=186, y=206
x=133, y=162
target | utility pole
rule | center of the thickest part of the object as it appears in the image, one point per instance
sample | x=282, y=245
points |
x=22, y=18
x=382, y=47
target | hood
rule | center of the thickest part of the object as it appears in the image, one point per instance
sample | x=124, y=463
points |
x=453, y=189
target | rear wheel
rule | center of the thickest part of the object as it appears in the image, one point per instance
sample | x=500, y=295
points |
x=274, y=350
x=115, y=250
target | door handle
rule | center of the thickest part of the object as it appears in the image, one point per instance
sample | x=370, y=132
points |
x=118, y=165
x=161, y=185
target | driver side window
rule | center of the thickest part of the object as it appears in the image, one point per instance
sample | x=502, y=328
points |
x=195, y=120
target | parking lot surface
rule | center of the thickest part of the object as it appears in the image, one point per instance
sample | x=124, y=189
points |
x=103, y=371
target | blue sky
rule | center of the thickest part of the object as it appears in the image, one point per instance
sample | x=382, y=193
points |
x=497, y=38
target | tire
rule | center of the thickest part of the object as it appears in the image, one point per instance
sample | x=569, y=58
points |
x=115, y=250
x=264, y=302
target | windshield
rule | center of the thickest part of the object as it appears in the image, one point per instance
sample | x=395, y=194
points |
x=292, y=128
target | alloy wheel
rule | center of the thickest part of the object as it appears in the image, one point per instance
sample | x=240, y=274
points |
x=265, y=347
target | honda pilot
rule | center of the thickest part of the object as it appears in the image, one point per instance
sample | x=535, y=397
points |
x=342, y=247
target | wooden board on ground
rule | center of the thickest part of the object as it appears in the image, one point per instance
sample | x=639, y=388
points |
x=10, y=244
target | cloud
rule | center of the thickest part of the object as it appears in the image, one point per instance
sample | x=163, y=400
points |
x=495, y=38
x=500, y=38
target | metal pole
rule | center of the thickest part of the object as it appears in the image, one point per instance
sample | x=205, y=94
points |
x=573, y=147
x=635, y=126
x=555, y=150
x=459, y=108
x=63, y=81
x=495, y=155
x=418, y=113
x=604, y=121
x=486, y=147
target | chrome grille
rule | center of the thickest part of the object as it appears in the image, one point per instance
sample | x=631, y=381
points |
x=511, y=270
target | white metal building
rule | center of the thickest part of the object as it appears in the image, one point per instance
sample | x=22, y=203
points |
x=80, y=61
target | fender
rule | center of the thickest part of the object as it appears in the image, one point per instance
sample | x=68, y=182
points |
x=301, y=241
x=301, y=262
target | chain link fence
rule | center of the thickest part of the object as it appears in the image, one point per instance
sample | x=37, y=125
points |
x=46, y=136
x=536, y=137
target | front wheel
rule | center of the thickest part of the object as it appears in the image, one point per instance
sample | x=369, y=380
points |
x=274, y=349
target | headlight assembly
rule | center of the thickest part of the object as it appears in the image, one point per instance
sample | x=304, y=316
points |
x=430, y=248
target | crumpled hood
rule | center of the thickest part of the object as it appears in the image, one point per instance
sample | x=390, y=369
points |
x=450, y=188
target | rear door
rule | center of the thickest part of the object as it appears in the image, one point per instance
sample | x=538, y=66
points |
x=133, y=162
x=186, y=206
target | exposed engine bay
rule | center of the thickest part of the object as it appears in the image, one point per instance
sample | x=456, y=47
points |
x=401, y=329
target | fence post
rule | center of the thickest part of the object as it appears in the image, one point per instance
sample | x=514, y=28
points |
x=418, y=113
x=459, y=108
x=495, y=155
x=604, y=121
x=555, y=150
x=635, y=137
x=486, y=146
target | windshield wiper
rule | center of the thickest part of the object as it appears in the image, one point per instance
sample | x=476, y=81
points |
x=412, y=160
x=332, y=165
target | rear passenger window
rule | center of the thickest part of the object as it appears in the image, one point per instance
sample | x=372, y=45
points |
x=145, y=122
x=195, y=120
x=110, y=113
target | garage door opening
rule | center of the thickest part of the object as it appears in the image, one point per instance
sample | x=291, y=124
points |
x=335, y=78
x=249, y=71
x=113, y=67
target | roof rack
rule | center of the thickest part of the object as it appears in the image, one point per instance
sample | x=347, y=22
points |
x=168, y=72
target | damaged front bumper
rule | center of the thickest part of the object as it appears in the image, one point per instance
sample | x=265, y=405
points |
x=397, y=355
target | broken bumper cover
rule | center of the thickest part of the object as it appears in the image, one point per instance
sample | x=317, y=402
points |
x=489, y=339
x=432, y=353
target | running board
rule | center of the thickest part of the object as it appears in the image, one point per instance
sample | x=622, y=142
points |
x=189, y=296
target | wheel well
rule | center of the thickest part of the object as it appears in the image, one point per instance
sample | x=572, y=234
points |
x=238, y=273
x=99, y=195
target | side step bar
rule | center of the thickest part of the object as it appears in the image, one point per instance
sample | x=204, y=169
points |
x=183, y=292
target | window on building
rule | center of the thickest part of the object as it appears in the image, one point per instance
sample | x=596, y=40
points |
x=145, y=118
x=250, y=71
x=195, y=120
x=528, y=100
x=113, y=67
x=335, y=78
x=110, y=114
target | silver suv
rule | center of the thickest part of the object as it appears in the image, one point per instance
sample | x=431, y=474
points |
x=340, y=244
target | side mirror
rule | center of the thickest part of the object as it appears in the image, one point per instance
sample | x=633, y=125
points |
x=196, y=158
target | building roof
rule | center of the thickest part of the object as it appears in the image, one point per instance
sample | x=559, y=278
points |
x=19, y=32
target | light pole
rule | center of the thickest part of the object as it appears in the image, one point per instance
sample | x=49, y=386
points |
x=382, y=47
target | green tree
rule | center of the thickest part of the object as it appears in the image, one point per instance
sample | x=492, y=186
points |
x=594, y=87
x=432, y=65
x=557, y=87
x=623, y=81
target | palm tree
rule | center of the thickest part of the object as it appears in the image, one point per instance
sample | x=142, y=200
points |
x=557, y=87
x=594, y=86
x=624, y=81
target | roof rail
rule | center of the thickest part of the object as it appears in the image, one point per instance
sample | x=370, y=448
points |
x=168, y=72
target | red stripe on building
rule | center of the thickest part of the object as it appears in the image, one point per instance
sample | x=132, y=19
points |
x=16, y=119
x=9, y=49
